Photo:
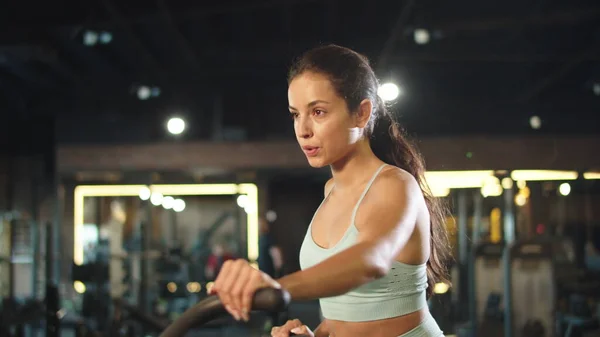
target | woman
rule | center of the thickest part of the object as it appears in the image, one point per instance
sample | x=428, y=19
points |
x=374, y=248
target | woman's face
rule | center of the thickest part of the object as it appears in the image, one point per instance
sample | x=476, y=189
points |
x=325, y=129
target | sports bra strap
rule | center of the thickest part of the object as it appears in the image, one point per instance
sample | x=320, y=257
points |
x=362, y=196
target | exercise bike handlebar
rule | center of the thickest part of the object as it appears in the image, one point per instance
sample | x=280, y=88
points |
x=267, y=299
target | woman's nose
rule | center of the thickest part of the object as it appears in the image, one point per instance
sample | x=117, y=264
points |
x=303, y=128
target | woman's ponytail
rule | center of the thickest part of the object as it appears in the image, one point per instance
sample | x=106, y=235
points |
x=390, y=143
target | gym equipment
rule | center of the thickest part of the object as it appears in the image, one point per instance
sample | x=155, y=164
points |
x=533, y=328
x=52, y=311
x=16, y=316
x=6, y=267
x=578, y=317
x=202, y=248
x=486, y=289
x=268, y=299
x=24, y=250
x=22, y=310
x=131, y=320
x=577, y=311
x=533, y=286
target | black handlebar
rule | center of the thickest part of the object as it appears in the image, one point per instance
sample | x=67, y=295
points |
x=267, y=299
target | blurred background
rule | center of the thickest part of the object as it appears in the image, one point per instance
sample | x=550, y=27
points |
x=143, y=143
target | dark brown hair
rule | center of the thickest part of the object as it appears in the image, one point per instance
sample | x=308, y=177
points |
x=354, y=80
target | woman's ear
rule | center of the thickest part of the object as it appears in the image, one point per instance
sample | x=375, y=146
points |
x=363, y=115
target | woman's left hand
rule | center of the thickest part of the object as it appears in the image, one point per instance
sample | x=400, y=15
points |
x=236, y=284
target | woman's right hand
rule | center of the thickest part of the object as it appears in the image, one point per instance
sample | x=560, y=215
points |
x=291, y=328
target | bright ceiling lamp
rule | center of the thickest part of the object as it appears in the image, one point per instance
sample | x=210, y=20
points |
x=542, y=175
x=388, y=91
x=176, y=126
x=564, y=189
x=83, y=191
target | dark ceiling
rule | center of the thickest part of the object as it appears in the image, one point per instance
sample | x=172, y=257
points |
x=488, y=67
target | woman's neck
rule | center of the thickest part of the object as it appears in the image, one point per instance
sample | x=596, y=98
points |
x=352, y=169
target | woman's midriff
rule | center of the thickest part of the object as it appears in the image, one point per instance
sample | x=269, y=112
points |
x=391, y=327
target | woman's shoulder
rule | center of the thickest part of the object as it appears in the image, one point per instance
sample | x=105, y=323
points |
x=394, y=184
x=394, y=199
x=400, y=178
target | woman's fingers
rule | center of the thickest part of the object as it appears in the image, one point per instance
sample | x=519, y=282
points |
x=222, y=288
x=302, y=330
x=236, y=285
x=239, y=291
x=290, y=327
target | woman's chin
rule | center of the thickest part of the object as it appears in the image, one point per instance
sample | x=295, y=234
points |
x=317, y=162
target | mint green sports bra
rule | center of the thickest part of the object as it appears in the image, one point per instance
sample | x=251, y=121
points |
x=398, y=293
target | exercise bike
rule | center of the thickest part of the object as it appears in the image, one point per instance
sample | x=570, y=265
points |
x=267, y=299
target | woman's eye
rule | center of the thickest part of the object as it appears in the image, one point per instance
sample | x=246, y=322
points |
x=294, y=115
x=319, y=112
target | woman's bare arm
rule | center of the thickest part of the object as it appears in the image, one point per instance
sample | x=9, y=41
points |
x=392, y=215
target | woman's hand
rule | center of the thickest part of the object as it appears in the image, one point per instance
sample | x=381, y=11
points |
x=236, y=284
x=292, y=326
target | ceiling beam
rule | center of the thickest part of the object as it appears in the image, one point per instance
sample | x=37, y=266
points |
x=486, y=57
x=122, y=22
x=42, y=54
x=32, y=31
x=441, y=153
x=187, y=50
x=33, y=79
x=394, y=35
x=559, y=73
x=26, y=52
x=552, y=18
x=66, y=46
x=18, y=31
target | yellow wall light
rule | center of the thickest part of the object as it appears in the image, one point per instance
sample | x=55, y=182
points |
x=79, y=287
x=457, y=179
x=83, y=191
x=591, y=175
x=441, y=288
x=441, y=182
x=439, y=192
x=543, y=175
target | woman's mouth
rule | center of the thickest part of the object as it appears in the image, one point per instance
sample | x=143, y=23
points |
x=310, y=151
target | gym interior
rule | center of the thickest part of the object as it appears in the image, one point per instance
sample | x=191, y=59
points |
x=145, y=144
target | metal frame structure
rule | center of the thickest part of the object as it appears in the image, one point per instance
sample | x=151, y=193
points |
x=86, y=191
x=46, y=69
